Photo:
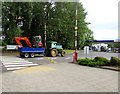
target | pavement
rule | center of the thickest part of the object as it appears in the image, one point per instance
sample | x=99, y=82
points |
x=56, y=74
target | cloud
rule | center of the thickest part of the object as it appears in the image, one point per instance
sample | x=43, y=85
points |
x=106, y=34
x=103, y=16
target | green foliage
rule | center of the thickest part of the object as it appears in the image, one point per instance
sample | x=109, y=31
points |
x=11, y=33
x=84, y=61
x=2, y=43
x=4, y=49
x=114, y=61
x=99, y=61
x=102, y=59
x=96, y=63
x=109, y=45
x=59, y=17
x=90, y=62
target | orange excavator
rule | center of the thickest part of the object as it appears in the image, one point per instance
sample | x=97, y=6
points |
x=24, y=42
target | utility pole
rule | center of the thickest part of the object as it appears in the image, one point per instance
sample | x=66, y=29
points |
x=45, y=35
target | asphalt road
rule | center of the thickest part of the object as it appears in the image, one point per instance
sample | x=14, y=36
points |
x=14, y=62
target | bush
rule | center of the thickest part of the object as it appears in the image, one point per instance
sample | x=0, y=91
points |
x=90, y=62
x=84, y=61
x=114, y=61
x=102, y=59
x=97, y=63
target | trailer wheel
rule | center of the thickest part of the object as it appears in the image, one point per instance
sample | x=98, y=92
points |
x=26, y=55
x=32, y=55
x=54, y=52
x=63, y=53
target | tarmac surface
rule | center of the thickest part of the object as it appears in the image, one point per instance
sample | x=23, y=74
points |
x=56, y=74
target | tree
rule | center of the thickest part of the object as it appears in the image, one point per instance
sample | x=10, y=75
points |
x=59, y=17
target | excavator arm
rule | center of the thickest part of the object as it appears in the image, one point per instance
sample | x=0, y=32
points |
x=18, y=39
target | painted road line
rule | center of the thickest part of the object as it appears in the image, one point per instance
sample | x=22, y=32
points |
x=12, y=59
x=20, y=65
x=68, y=58
x=39, y=58
x=16, y=68
x=34, y=69
x=16, y=63
x=54, y=58
x=51, y=60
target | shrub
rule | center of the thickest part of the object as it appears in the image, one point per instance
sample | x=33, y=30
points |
x=90, y=62
x=102, y=59
x=114, y=61
x=84, y=61
x=97, y=63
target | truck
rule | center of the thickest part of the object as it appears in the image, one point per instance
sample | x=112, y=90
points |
x=30, y=49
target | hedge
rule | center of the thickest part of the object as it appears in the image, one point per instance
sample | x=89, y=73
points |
x=99, y=61
x=90, y=62
x=84, y=61
x=114, y=61
x=102, y=59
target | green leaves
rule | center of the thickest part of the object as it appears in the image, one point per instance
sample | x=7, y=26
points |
x=59, y=18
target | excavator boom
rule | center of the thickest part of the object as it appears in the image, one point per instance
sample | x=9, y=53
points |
x=18, y=39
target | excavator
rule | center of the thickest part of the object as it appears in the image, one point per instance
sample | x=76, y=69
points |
x=36, y=41
x=29, y=49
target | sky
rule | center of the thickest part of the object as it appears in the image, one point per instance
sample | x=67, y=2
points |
x=103, y=16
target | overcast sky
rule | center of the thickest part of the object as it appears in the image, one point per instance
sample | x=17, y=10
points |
x=103, y=16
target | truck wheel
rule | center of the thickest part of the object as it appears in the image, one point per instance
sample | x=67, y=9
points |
x=63, y=53
x=26, y=55
x=54, y=52
x=32, y=55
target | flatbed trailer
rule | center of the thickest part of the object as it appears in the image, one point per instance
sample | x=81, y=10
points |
x=30, y=52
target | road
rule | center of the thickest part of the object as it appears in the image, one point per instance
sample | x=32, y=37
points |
x=13, y=62
x=56, y=74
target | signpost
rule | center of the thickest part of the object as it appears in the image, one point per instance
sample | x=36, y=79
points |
x=75, y=54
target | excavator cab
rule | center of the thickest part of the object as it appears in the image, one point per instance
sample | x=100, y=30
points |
x=37, y=41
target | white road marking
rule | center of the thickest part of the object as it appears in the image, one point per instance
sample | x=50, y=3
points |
x=20, y=65
x=54, y=58
x=39, y=58
x=16, y=63
x=68, y=58
x=16, y=68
